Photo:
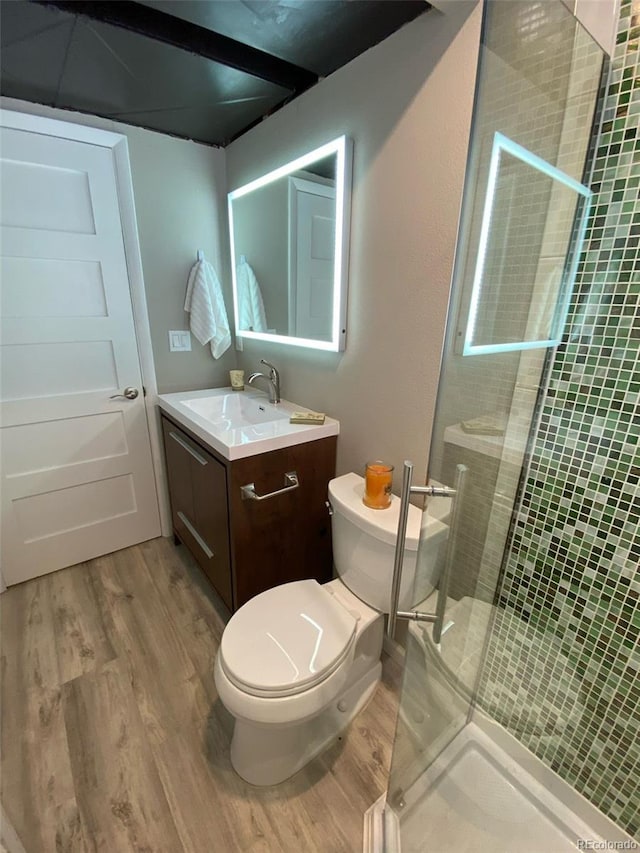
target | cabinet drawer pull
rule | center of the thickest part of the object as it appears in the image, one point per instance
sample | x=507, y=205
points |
x=188, y=448
x=248, y=492
x=183, y=518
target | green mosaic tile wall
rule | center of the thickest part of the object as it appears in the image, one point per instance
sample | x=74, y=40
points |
x=573, y=572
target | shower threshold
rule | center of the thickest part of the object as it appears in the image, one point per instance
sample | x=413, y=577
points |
x=486, y=793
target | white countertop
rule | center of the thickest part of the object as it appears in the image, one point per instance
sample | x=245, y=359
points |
x=233, y=431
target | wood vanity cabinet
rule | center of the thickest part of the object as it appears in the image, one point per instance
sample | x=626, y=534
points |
x=198, y=494
x=247, y=546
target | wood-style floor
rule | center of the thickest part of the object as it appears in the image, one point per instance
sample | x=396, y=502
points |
x=114, y=740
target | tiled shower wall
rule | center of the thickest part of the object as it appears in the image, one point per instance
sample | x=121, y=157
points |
x=573, y=572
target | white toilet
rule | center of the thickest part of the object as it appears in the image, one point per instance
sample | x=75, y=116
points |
x=299, y=661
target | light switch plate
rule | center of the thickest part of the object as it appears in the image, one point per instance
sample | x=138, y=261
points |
x=179, y=341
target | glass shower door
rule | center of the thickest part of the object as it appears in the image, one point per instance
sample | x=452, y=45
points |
x=524, y=217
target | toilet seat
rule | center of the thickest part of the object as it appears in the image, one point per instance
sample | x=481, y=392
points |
x=286, y=640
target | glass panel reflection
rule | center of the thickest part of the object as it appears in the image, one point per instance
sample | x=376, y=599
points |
x=523, y=219
x=531, y=235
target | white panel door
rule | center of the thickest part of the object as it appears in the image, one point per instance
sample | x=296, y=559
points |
x=315, y=246
x=76, y=469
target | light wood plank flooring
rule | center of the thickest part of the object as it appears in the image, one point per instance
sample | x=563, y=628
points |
x=114, y=740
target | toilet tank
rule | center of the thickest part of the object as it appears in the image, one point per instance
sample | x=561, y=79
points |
x=364, y=542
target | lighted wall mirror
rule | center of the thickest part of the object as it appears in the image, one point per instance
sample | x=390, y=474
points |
x=533, y=226
x=289, y=234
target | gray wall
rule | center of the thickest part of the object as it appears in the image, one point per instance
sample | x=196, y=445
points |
x=180, y=197
x=407, y=105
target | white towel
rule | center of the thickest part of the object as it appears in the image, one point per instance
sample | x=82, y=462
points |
x=251, y=314
x=205, y=304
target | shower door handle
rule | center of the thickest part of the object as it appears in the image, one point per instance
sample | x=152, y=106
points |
x=436, y=618
x=443, y=587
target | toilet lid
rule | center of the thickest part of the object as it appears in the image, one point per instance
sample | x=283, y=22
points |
x=286, y=639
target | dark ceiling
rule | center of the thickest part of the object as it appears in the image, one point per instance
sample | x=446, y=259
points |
x=206, y=70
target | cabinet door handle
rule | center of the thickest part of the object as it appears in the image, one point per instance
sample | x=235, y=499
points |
x=183, y=518
x=188, y=448
x=248, y=492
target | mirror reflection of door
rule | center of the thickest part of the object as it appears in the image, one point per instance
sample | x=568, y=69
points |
x=292, y=227
x=312, y=205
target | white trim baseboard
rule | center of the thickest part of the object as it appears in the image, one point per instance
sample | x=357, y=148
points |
x=381, y=831
x=133, y=257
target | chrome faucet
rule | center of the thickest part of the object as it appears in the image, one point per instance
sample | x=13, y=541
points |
x=273, y=379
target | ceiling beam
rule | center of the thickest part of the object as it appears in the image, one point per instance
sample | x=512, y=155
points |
x=185, y=35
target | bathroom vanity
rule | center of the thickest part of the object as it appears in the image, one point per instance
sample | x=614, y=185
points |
x=257, y=519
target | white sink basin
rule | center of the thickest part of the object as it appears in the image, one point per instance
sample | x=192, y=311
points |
x=236, y=410
x=241, y=423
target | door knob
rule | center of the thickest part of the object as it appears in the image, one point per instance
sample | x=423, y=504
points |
x=129, y=393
